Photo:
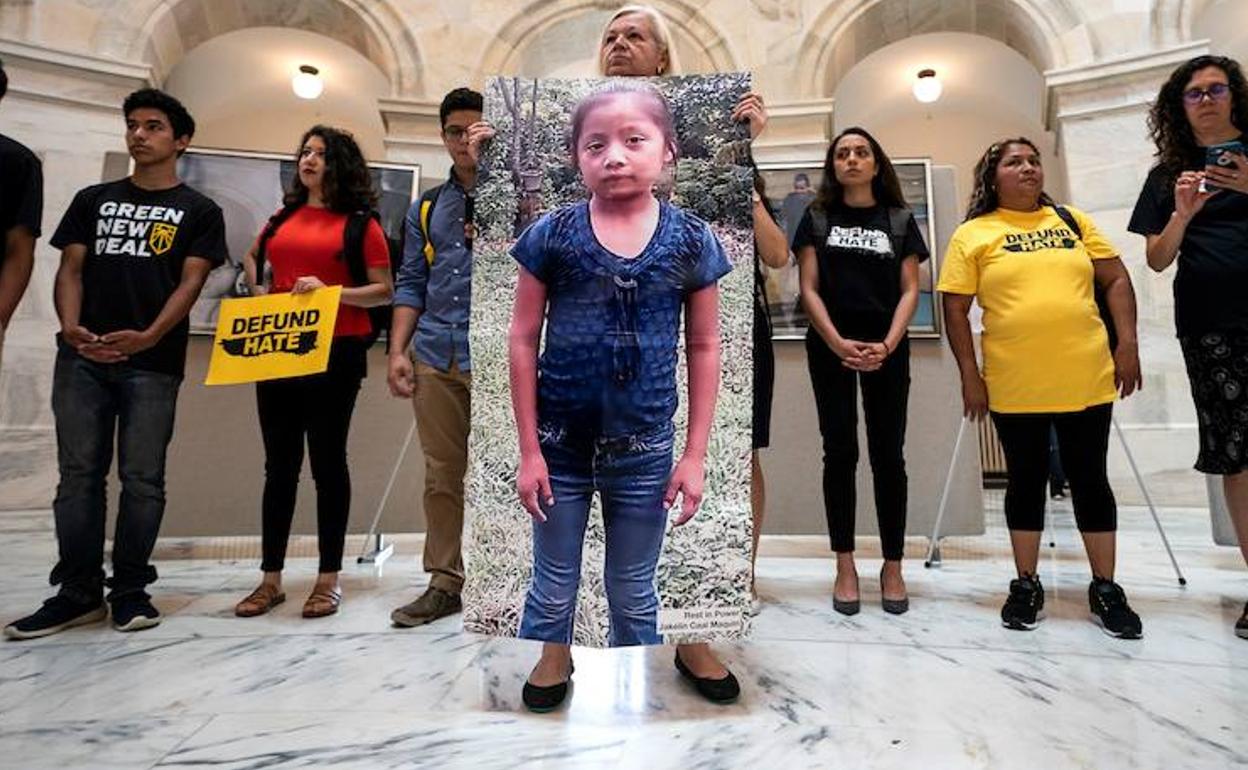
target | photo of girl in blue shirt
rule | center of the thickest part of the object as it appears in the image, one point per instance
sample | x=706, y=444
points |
x=609, y=278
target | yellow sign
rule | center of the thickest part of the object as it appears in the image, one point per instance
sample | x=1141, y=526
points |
x=162, y=236
x=273, y=336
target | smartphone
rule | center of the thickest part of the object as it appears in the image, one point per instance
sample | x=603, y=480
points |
x=1220, y=155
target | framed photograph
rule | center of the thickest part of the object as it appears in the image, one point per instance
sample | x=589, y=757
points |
x=248, y=187
x=790, y=189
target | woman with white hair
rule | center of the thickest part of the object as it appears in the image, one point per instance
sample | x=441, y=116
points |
x=637, y=42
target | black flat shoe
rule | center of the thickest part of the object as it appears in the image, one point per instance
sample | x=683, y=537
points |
x=723, y=690
x=543, y=699
x=846, y=607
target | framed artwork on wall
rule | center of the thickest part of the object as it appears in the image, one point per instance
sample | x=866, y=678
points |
x=791, y=186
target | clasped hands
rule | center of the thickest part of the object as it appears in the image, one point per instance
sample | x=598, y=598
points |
x=861, y=356
x=110, y=348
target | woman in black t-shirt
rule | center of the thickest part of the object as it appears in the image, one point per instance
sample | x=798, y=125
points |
x=1197, y=215
x=858, y=250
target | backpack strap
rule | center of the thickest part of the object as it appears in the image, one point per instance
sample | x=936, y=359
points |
x=818, y=223
x=427, y=201
x=1069, y=219
x=1098, y=294
x=267, y=233
x=353, y=234
x=898, y=228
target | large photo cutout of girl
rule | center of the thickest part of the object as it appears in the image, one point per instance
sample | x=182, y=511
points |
x=607, y=497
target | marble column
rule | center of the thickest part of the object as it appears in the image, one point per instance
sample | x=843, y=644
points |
x=67, y=109
x=1100, y=111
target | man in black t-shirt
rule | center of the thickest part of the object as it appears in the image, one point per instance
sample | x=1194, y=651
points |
x=21, y=212
x=134, y=255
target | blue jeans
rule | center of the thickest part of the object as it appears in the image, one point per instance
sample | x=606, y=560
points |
x=90, y=401
x=630, y=473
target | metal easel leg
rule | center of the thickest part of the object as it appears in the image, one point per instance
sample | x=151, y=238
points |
x=933, y=548
x=382, y=550
x=1139, y=479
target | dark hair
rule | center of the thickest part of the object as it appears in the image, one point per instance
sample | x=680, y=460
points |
x=4, y=80
x=347, y=185
x=984, y=197
x=179, y=119
x=1168, y=126
x=653, y=102
x=802, y=177
x=884, y=185
x=459, y=99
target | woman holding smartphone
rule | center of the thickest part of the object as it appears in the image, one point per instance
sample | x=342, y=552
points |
x=1193, y=211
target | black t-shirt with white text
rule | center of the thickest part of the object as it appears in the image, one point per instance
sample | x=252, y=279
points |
x=859, y=273
x=137, y=241
x=1211, y=285
x=21, y=189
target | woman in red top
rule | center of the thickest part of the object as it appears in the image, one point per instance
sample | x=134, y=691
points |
x=304, y=245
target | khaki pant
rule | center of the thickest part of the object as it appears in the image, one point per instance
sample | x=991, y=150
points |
x=442, y=404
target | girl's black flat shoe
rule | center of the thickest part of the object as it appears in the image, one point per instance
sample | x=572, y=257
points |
x=543, y=699
x=723, y=690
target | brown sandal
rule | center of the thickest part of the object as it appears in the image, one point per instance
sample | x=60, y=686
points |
x=322, y=602
x=259, y=601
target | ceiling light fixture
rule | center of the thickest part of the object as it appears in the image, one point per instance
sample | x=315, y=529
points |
x=307, y=82
x=927, y=87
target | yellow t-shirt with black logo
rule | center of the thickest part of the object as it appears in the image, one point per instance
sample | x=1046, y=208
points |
x=1045, y=347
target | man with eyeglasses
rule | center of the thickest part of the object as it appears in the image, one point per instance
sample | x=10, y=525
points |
x=1193, y=210
x=429, y=361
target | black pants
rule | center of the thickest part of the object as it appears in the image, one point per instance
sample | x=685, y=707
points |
x=1083, y=442
x=885, y=394
x=317, y=406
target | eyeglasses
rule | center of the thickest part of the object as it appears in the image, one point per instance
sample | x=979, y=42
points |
x=1216, y=93
x=454, y=133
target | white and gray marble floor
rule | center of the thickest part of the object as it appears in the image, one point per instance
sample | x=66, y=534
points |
x=942, y=687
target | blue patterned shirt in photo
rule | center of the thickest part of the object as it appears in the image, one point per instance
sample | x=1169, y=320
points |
x=608, y=366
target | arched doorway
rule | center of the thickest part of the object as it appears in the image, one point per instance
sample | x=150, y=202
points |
x=161, y=32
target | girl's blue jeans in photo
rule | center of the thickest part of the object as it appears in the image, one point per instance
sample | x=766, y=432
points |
x=630, y=473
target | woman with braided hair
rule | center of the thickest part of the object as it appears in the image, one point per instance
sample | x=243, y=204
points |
x=1033, y=266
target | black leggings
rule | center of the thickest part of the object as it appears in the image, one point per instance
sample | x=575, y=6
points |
x=1083, y=442
x=317, y=406
x=885, y=394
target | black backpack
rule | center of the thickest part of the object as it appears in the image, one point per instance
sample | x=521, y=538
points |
x=1102, y=304
x=352, y=251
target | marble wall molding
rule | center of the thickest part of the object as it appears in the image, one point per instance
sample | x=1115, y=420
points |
x=1172, y=20
x=1056, y=30
x=56, y=76
x=161, y=32
x=1116, y=84
x=688, y=21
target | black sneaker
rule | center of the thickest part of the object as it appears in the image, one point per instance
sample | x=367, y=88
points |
x=1241, y=626
x=1109, y=606
x=56, y=615
x=134, y=612
x=1024, y=610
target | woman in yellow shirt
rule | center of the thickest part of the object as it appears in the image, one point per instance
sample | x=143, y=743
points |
x=1032, y=266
